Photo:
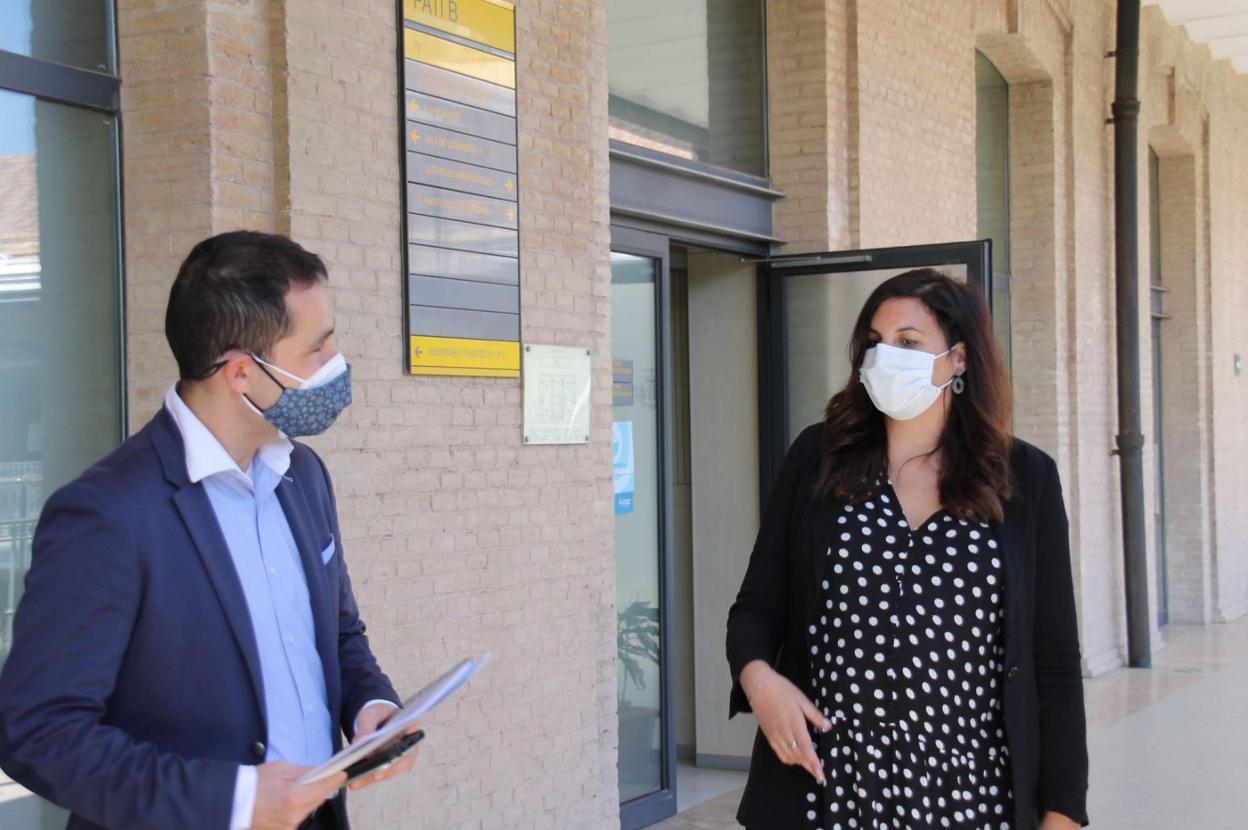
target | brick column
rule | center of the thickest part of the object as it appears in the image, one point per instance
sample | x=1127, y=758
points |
x=461, y=539
x=1185, y=418
x=809, y=61
x=167, y=163
x=198, y=120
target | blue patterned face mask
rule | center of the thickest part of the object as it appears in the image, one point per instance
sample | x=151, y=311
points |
x=313, y=407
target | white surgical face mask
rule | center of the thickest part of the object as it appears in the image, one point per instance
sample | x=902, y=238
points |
x=899, y=381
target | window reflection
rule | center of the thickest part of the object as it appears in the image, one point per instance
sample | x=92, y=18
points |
x=72, y=32
x=686, y=79
x=635, y=448
x=60, y=391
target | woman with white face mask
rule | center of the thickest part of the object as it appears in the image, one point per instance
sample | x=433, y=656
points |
x=905, y=632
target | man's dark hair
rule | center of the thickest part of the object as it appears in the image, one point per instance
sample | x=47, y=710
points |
x=230, y=293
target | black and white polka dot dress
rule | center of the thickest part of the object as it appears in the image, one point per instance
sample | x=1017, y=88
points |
x=907, y=664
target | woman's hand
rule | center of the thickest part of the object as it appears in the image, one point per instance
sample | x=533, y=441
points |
x=782, y=711
x=1057, y=821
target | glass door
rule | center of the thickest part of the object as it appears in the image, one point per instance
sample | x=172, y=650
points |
x=812, y=301
x=62, y=387
x=642, y=480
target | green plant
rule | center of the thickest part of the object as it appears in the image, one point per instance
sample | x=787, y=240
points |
x=637, y=642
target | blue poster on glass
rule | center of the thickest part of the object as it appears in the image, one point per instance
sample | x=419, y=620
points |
x=624, y=471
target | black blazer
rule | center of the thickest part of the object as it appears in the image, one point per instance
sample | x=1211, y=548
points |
x=1043, y=693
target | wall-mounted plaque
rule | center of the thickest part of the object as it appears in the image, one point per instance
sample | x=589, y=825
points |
x=556, y=394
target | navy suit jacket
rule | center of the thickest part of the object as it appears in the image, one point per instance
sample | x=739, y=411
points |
x=133, y=691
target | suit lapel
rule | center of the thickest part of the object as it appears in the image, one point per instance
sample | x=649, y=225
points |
x=192, y=502
x=295, y=506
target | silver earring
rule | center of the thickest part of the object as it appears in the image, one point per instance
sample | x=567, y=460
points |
x=959, y=385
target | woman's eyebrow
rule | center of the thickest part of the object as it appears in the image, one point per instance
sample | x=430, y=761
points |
x=875, y=333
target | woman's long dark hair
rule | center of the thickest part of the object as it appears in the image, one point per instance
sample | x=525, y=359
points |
x=975, y=478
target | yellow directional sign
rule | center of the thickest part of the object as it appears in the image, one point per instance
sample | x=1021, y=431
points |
x=456, y=57
x=455, y=356
x=490, y=22
x=462, y=221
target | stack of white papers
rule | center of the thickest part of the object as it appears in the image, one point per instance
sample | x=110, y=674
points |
x=396, y=725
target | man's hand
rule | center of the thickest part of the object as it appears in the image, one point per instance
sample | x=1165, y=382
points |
x=282, y=803
x=368, y=721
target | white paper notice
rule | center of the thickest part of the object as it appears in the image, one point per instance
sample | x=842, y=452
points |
x=556, y=394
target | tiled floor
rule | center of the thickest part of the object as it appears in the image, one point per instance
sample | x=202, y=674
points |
x=1168, y=745
x=696, y=786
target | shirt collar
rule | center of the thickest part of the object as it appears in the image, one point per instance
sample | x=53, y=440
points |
x=205, y=457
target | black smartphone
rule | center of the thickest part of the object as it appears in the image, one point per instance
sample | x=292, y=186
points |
x=384, y=757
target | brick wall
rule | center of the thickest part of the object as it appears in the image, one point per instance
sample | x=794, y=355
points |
x=809, y=53
x=1228, y=263
x=168, y=193
x=915, y=123
x=461, y=540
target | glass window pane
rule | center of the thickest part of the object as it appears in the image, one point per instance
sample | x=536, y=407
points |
x=686, y=79
x=74, y=32
x=60, y=394
x=636, y=451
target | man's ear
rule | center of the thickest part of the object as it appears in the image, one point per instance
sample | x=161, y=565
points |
x=237, y=373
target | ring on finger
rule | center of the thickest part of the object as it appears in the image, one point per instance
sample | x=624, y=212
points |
x=793, y=744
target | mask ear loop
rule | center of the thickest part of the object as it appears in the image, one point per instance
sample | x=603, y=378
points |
x=254, y=408
x=265, y=366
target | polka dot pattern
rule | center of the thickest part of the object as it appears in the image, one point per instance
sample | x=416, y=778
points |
x=906, y=661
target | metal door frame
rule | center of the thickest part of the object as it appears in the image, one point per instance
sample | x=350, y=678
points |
x=654, y=807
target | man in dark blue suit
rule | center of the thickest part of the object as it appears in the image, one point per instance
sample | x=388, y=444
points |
x=188, y=643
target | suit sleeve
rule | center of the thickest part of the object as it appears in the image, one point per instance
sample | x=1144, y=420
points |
x=71, y=633
x=363, y=680
x=759, y=617
x=1063, y=779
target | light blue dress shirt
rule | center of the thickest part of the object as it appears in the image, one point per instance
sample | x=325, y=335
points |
x=267, y=561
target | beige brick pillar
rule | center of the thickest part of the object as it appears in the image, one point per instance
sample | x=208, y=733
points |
x=1185, y=416
x=167, y=160
x=461, y=539
x=809, y=61
x=197, y=114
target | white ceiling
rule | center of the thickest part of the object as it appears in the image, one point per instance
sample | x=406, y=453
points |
x=1222, y=25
